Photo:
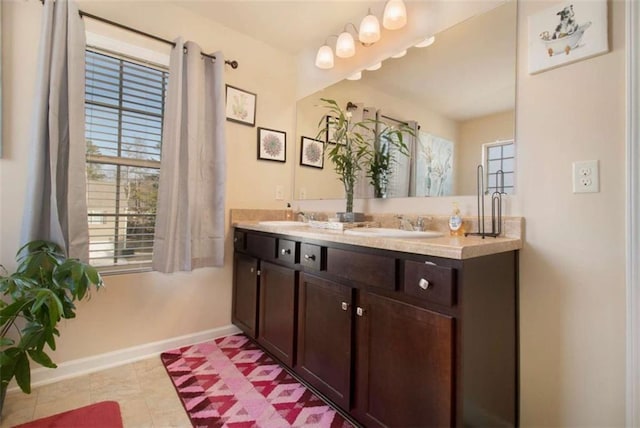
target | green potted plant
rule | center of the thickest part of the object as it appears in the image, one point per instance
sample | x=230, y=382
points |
x=360, y=145
x=34, y=298
x=382, y=157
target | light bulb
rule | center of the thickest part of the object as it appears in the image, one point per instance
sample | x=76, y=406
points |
x=426, y=42
x=324, y=58
x=399, y=54
x=395, y=15
x=369, y=30
x=345, y=46
x=355, y=76
x=374, y=67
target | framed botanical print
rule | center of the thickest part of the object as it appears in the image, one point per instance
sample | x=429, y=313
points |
x=240, y=106
x=311, y=152
x=272, y=145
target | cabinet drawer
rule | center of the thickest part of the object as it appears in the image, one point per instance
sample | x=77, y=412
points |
x=312, y=256
x=261, y=246
x=287, y=251
x=239, y=240
x=430, y=282
x=369, y=269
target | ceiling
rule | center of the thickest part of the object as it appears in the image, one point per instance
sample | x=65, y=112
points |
x=440, y=75
x=291, y=25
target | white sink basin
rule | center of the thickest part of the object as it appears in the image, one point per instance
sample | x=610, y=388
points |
x=383, y=232
x=283, y=223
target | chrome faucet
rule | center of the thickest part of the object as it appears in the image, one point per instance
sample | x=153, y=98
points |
x=305, y=217
x=405, y=224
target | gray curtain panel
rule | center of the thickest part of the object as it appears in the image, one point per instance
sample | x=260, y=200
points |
x=191, y=195
x=55, y=204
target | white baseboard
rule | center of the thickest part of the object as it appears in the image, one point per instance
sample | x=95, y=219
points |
x=42, y=376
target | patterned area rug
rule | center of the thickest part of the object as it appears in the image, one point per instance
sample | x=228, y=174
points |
x=105, y=414
x=231, y=382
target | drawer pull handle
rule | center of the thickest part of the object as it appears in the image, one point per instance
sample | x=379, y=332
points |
x=359, y=311
x=430, y=263
x=345, y=306
x=424, y=284
x=286, y=251
x=311, y=257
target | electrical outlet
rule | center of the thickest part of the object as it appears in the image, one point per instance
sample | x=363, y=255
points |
x=586, y=177
x=279, y=193
x=303, y=193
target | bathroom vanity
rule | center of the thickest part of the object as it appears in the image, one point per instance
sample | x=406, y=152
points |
x=395, y=332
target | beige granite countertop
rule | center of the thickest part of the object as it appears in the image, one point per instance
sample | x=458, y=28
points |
x=445, y=246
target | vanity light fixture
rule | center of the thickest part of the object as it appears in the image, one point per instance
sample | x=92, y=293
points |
x=399, y=54
x=345, y=46
x=374, y=67
x=369, y=30
x=355, y=76
x=324, y=58
x=395, y=15
x=426, y=42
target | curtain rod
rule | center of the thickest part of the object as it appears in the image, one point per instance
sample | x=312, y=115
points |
x=232, y=63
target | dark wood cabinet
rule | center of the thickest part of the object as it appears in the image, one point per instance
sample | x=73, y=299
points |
x=324, y=337
x=245, y=293
x=405, y=357
x=394, y=339
x=277, y=310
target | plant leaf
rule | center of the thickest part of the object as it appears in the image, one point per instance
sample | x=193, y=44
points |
x=23, y=372
x=41, y=358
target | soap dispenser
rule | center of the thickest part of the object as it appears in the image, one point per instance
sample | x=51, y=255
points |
x=456, y=226
x=288, y=213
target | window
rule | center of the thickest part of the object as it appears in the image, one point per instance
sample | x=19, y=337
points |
x=124, y=107
x=499, y=156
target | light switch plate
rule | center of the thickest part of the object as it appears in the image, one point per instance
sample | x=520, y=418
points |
x=279, y=192
x=586, y=177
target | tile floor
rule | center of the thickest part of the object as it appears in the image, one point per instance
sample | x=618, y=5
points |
x=143, y=390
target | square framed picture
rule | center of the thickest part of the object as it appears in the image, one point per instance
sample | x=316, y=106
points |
x=331, y=125
x=311, y=152
x=272, y=145
x=240, y=106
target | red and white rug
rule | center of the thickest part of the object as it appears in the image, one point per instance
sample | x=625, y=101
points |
x=231, y=382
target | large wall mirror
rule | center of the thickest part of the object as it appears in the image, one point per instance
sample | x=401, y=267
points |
x=460, y=91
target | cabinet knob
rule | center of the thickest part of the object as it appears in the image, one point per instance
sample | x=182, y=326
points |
x=310, y=257
x=359, y=311
x=252, y=270
x=285, y=251
x=345, y=306
x=235, y=239
x=424, y=284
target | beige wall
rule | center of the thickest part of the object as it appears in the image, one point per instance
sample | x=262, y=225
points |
x=572, y=269
x=143, y=308
x=473, y=134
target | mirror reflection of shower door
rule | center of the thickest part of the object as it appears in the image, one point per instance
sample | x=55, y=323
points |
x=400, y=168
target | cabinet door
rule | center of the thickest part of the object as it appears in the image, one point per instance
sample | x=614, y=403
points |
x=324, y=337
x=404, y=364
x=277, y=310
x=245, y=293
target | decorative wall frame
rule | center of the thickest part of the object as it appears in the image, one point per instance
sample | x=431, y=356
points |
x=311, y=152
x=331, y=124
x=240, y=106
x=566, y=33
x=272, y=145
